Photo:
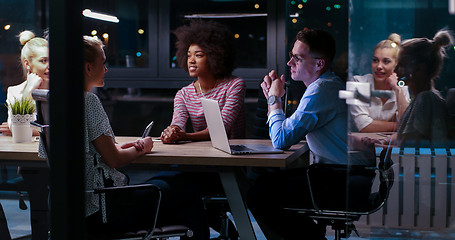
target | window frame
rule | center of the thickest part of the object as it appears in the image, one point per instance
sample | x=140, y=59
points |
x=160, y=75
x=138, y=77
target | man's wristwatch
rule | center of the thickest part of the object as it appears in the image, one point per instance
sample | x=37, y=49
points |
x=272, y=99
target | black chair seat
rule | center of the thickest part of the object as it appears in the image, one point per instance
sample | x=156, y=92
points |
x=158, y=233
x=172, y=231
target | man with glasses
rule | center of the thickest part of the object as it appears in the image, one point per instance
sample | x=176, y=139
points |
x=321, y=118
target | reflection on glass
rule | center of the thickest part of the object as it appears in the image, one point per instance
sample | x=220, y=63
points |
x=126, y=41
x=419, y=162
x=246, y=19
x=15, y=17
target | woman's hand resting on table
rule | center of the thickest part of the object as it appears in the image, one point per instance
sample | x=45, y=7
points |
x=173, y=134
x=142, y=145
x=4, y=129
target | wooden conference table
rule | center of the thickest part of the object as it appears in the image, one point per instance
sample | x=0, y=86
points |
x=197, y=155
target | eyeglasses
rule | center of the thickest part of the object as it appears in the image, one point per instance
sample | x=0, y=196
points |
x=298, y=59
x=291, y=56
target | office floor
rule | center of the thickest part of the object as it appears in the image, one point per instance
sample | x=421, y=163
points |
x=19, y=225
x=19, y=222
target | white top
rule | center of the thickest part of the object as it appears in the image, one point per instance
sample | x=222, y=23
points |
x=15, y=92
x=364, y=115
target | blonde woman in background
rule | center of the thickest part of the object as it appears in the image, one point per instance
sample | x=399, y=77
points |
x=35, y=65
x=382, y=114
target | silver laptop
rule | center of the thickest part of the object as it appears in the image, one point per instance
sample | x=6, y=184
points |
x=218, y=134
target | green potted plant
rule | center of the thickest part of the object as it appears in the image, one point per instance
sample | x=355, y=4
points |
x=22, y=113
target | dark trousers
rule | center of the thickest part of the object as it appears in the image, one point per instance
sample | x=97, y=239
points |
x=289, y=188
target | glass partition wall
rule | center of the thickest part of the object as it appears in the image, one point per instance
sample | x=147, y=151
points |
x=140, y=54
x=421, y=193
x=16, y=16
x=246, y=19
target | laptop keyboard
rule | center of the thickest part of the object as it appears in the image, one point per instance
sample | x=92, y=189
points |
x=240, y=148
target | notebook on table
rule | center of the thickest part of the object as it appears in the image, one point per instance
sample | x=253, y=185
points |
x=218, y=134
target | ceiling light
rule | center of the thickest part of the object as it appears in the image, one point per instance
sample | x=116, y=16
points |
x=100, y=16
x=226, y=15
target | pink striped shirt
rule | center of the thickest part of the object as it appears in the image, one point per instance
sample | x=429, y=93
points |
x=230, y=94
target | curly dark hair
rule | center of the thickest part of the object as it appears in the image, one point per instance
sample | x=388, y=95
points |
x=214, y=38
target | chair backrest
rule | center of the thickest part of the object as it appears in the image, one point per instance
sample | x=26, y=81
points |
x=350, y=188
x=450, y=101
x=118, y=199
x=41, y=97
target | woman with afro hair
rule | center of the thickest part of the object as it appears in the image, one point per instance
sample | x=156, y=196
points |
x=205, y=49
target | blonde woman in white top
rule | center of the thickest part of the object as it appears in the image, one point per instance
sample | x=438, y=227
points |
x=35, y=65
x=382, y=114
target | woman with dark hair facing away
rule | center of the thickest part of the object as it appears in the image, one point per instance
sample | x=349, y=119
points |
x=383, y=113
x=206, y=51
x=426, y=121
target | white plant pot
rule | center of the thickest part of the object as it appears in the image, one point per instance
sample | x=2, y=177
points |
x=21, y=129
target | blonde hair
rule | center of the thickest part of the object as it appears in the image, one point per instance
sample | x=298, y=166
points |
x=91, y=46
x=30, y=44
x=392, y=42
x=429, y=52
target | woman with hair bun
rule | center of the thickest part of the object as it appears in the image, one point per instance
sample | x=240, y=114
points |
x=382, y=114
x=426, y=122
x=35, y=65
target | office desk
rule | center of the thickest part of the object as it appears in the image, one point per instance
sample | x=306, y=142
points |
x=19, y=153
x=185, y=154
x=377, y=136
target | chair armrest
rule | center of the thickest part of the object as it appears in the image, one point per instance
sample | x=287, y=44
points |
x=129, y=187
x=40, y=94
x=39, y=127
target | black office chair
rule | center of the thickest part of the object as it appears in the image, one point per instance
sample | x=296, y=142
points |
x=120, y=198
x=120, y=194
x=337, y=205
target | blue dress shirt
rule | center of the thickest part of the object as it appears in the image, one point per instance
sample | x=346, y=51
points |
x=321, y=117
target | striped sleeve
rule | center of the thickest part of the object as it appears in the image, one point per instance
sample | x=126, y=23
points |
x=180, y=115
x=232, y=109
